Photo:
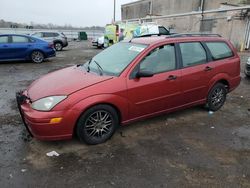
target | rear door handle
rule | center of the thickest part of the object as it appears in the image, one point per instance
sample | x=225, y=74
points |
x=172, y=77
x=5, y=45
x=208, y=68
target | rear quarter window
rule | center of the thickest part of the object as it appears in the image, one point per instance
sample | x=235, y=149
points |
x=219, y=50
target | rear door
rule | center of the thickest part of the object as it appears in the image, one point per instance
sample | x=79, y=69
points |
x=159, y=92
x=48, y=36
x=195, y=72
x=20, y=46
x=223, y=59
x=5, y=47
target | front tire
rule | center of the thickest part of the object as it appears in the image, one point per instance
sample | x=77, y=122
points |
x=97, y=124
x=37, y=57
x=216, y=97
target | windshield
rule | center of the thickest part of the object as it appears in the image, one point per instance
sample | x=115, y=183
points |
x=114, y=59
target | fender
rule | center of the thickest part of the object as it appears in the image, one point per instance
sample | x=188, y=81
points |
x=120, y=103
x=217, y=78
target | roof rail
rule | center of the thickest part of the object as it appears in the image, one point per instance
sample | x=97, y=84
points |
x=150, y=35
x=193, y=35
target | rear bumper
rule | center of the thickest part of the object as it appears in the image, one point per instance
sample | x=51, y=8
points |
x=65, y=44
x=38, y=124
x=234, y=83
x=50, y=53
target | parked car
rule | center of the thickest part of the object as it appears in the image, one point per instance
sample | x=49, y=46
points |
x=247, y=68
x=22, y=47
x=98, y=42
x=59, y=39
x=130, y=81
x=114, y=32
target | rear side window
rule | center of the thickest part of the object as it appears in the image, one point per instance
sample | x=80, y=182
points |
x=3, y=39
x=48, y=34
x=192, y=53
x=219, y=50
x=39, y=35
x=19, y=39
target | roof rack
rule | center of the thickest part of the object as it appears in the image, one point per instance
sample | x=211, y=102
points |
x=193, y=35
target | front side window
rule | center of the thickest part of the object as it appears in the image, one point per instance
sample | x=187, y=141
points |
x=219, y=50
x=159, y=60
x=192, y=53
x=19, y=39
x=114, y=59
x=3, y=39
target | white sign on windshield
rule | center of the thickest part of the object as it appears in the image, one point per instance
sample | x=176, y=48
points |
x=136, y=49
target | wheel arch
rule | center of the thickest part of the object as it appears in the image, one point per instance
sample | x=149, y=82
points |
x=220, y=78
x=119, y=104
x=33, y=50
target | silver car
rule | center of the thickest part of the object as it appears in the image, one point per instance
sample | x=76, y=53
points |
x=59, y=39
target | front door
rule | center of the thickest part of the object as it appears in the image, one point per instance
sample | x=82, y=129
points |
x=150, y=95
x=4, y=48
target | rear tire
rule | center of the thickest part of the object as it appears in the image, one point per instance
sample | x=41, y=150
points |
x=58, y=46
x=97, y=124
x=216, y=97
x=37, y=56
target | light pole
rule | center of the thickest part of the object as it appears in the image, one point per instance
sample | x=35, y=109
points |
x=114, y=9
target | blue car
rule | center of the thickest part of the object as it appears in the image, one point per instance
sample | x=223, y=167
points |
x=22, y=47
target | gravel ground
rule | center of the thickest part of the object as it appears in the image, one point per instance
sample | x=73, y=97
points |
x=189, y=148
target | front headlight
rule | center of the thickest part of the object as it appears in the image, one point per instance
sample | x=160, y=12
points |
x=248, y=61
x=47, y=103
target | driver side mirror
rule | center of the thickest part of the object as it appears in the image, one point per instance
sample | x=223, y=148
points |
x=143, y=74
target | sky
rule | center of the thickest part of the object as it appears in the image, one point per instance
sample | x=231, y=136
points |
x=60, y=12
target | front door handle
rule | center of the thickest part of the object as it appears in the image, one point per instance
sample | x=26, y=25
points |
x=5, y=45
x=172, y=77
x=208, y=68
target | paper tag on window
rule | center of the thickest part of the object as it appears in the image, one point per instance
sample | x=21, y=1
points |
x=136, y=49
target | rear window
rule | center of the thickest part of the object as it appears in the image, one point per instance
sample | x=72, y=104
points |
x=219, y=50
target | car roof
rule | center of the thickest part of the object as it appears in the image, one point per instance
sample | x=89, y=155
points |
x=152, y=40
x=47, y=32
x=23, y=35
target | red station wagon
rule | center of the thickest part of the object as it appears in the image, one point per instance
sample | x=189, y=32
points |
x=130, y=81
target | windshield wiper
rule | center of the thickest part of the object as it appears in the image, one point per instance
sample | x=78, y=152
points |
x=98, y=66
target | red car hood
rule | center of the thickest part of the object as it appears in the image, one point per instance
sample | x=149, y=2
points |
x=63, y=82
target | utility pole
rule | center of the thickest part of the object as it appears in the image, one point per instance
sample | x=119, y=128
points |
x=114, y=9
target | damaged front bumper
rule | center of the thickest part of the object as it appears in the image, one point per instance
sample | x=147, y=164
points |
x=21, y=99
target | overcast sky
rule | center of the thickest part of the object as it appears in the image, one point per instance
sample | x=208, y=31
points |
x=61, y=12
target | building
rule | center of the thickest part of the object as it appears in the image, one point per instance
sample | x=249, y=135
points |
x=229, y=18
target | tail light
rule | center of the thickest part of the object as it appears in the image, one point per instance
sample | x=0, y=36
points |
x=51, y=45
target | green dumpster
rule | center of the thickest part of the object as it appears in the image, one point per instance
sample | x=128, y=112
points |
x=83, y=35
